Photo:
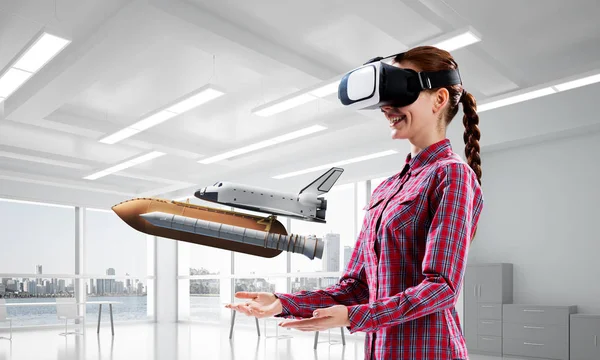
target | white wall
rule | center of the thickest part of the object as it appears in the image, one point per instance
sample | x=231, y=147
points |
x=542, y=214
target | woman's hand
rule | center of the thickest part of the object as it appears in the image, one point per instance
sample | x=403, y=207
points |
x=323, y=319
x=260, y=304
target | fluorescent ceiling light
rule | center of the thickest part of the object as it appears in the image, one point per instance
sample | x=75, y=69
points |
x=12, y=80
x=190, y=101
x=459, y=41
x=119, y=135
x=264, y=144
x=43, y=49
x=283, y=105
x=339, y=163
x=578, y=83
x=326, y=90
x=153, y=120
x=196, y=100
x=41, y=52
x=298, y=98
x=516, y=99
x=124, y=165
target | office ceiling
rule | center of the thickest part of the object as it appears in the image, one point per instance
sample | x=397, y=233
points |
x=129, y=58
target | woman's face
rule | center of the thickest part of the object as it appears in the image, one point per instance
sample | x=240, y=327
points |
x=414, y=120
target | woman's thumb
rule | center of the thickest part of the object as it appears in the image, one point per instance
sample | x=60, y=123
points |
x=246, y=295
x=321, y=313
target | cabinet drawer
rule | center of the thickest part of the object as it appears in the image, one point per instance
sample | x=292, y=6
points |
x=536, y=315
x=490, y=311
x=490, y=327
x=491, y=344
x=519, y=347
x=537, y=333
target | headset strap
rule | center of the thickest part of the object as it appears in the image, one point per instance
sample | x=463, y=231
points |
x=438, y=79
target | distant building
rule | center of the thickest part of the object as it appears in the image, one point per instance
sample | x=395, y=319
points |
x=347, y=255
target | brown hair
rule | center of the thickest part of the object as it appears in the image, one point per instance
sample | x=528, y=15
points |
x=429, y=58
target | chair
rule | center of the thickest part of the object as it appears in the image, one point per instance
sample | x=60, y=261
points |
x=330, y=342
x=67, y=309
x=4, y=318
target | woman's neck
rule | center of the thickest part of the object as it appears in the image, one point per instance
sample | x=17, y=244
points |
x=417, y=145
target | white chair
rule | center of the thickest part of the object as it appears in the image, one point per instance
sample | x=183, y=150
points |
x=66, y=308
x=4, y=318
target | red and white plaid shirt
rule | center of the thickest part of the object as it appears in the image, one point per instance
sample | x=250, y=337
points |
x=403, y=279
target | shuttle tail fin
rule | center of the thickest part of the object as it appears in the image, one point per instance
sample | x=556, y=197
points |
x=323, y=183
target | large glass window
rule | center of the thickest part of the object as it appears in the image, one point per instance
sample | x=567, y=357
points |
x=250, y=264
x=36, y=238
x=338, y=232
x=37, y=259
x=119, y=252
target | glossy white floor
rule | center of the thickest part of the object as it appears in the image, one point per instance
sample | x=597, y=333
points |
x=176, y=342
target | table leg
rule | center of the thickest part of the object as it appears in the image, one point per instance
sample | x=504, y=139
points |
x=232, y=322
x=99, y=316
x=112, y=326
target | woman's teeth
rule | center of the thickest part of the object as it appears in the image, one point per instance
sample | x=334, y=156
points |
x=396, y=119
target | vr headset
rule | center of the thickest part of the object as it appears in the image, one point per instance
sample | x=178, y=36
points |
x=377, y=84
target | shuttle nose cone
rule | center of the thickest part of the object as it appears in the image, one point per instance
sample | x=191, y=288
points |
x=207, y=195
x=130, y=210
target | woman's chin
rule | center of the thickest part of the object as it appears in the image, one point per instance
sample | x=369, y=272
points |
x=398, y=134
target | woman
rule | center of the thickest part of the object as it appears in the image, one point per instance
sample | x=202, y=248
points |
x=403, y=279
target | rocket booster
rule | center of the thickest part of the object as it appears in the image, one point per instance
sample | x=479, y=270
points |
x=245, y=227
x=309, y=246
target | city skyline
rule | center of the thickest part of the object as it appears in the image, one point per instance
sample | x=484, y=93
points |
x=42, y=284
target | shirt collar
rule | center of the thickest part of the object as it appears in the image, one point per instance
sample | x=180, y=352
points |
x=432, y=153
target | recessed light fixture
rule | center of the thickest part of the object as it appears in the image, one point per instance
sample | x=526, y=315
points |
x=461, y=39
x=515, y=99
x=338, y=163
x=548, y=89
x=587, y=80
x=187, y=103
x=124, y=165
x=263, y=144
x=29, y=61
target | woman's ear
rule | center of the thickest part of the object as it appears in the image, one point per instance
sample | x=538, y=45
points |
x=439, y=99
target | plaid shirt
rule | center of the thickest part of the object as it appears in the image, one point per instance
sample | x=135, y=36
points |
x=404, y=276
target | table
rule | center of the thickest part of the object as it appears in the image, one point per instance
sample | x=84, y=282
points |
x=100, y=303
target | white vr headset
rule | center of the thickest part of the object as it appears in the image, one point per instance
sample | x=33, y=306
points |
x=377, y=84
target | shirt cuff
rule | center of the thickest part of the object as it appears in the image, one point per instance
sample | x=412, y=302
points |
x=285, y=304
x=361, y=319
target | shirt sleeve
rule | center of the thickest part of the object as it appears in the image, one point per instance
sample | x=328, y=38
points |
x=352, y=289
x=459, y=202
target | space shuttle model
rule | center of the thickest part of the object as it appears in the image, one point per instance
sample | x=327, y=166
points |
x=262, y=236
x=306, y=205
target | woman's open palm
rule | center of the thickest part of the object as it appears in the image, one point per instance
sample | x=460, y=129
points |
x=260, y=304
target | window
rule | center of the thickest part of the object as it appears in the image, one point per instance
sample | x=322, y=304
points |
x=36, y=238
x=113, y=248
x=250, y=264
x=37, y=259
x=337, y=232
x=201, y=286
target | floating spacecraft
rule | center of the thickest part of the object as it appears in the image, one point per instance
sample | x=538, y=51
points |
x=306, y=205
x=228, y=230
